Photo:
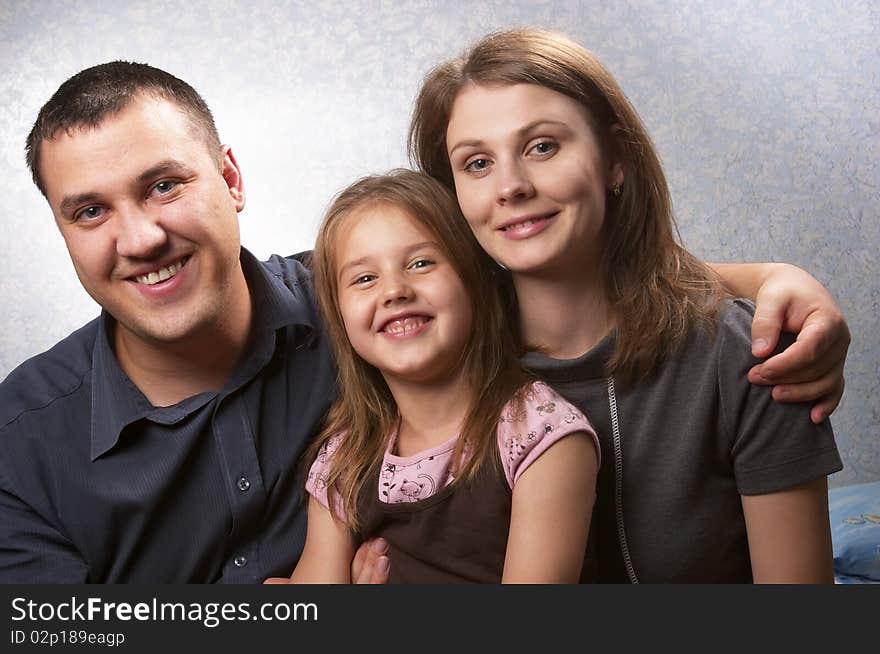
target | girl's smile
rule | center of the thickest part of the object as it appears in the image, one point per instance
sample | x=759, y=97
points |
x=405, y=309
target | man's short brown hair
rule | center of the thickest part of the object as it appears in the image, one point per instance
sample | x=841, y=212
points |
x=92, y=95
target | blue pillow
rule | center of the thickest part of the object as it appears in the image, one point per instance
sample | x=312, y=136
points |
x=855, y=530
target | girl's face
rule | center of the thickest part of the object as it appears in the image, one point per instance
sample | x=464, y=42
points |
x=405, y=309
x=530, y=177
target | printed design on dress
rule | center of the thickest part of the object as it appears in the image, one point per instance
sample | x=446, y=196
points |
x=317, y=473
x=412, y=490
x=386, y=477
x=409, y=490
x=522, y=434
x=545, y=409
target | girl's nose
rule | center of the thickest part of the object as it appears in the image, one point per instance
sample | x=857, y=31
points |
x=396, y=290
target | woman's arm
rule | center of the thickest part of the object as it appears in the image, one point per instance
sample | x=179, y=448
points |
x=550, y=518
x=790, y=299
x=789, y=535
x=329, y=549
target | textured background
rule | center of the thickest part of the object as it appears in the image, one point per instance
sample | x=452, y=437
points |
x=765, y=114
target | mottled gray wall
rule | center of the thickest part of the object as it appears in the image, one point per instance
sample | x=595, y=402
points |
x=765, y=113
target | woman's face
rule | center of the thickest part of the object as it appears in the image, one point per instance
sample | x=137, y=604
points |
x=530, y=176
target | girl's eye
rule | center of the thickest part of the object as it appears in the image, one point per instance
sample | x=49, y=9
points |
x=543, y=148
x=165, y=187
x=89, y=213
x=476, y=165
x=421, y=263
x=364, y=279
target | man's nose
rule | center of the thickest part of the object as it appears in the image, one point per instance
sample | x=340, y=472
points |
x=140, y=234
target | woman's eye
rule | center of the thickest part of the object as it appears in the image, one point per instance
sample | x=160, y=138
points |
x=89, y=213
x=544, y=148
x=476, y=165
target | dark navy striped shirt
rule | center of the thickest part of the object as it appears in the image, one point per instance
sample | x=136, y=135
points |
x=97, y=485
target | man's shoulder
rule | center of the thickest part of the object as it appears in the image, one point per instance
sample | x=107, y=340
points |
x=293, y=270
x=41, y=380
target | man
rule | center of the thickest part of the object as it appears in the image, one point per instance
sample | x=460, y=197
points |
x=162, y=441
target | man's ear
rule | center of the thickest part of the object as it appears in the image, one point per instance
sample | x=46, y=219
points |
x=232, y=175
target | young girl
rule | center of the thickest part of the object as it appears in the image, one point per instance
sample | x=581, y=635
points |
x=438, y=442
x=706, y=477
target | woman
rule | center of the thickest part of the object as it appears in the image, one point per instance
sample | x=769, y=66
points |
x=705, y=477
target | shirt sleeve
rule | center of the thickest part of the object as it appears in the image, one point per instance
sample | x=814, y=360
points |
x=33, y=551
x=774, y=446
x=530, y=424
x=316, y=482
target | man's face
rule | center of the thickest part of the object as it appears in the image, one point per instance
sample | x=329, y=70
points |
x=149, y=216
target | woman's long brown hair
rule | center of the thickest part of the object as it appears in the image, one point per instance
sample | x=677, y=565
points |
x=657, y=290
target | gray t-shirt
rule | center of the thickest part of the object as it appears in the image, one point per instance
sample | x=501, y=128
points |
x=692, y=438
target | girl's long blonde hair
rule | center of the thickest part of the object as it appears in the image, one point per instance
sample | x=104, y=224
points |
x=365, y=410
x=657, y=290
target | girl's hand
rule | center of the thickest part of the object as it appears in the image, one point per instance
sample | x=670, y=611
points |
x=811, y=369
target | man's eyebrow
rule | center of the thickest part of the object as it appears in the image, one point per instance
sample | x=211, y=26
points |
x=525, y=129
x=164, y=168
x=71, y=202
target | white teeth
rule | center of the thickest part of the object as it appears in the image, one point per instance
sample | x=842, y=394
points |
x=525, y=223
x=162, y=274
x=404, y=326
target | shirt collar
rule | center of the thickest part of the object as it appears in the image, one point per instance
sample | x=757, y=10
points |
x=279, y=301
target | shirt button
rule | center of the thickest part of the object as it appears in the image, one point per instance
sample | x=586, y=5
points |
x=240, y=561
x=243, y=484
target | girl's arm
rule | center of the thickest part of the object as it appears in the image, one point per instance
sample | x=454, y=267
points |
x=550, y=518
x=789, y=535
x=790, y=299
x=328, y=552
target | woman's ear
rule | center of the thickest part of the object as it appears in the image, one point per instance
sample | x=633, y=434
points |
x=614, y=173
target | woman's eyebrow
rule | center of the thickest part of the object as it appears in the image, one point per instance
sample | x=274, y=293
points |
x=522, y=131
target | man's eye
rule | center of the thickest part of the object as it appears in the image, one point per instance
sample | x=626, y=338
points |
x=89, y=213
x=164, y=187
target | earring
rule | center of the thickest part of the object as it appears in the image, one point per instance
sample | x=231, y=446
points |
x=616, y=190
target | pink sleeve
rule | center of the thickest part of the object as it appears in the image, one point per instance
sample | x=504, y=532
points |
x=316, y=483
x=528, y=428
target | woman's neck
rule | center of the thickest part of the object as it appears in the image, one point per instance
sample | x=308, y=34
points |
x=430, y=414
x=563, y=317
